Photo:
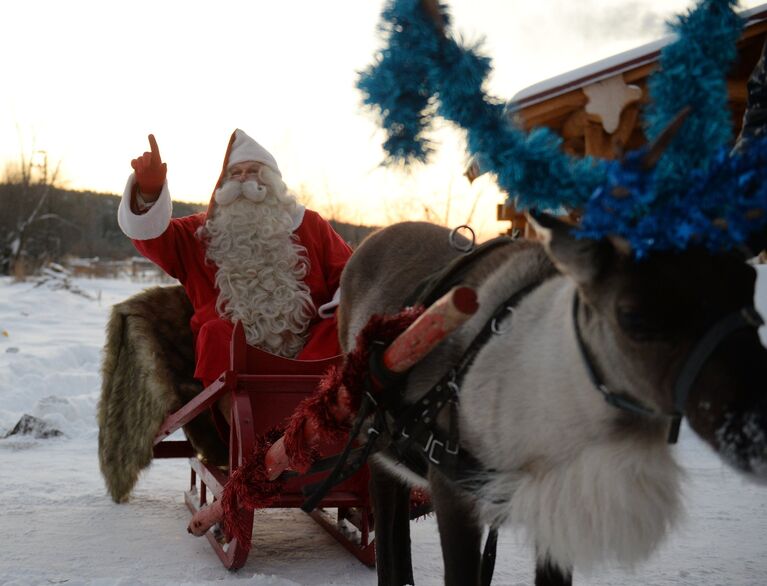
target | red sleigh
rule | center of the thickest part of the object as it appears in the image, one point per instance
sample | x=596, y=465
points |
x=265, y=391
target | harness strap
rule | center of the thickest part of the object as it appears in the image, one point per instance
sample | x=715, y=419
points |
x=431, y=288
x=341, y=469
x=414, y=423
x=619, y=400
x=415, y=431
x=488, y=557
x=747, y=317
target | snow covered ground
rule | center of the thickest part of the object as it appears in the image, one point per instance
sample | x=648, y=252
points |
x=58, y=526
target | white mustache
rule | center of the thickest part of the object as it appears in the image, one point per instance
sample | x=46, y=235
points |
x=232, y=189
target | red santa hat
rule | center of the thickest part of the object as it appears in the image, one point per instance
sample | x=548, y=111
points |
x=245, y=148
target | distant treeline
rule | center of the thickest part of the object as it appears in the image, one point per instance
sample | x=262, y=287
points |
x=41, y=223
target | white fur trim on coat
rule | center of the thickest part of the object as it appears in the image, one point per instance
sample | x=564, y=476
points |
x=150, y=224
x=326, y=310
x=298, y=217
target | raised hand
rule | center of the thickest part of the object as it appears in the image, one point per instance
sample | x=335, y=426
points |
x=150, y=170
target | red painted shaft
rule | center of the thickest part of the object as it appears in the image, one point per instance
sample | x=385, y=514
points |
x=433, y=326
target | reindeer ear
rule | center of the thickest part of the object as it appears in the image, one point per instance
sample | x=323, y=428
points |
x=582, y=259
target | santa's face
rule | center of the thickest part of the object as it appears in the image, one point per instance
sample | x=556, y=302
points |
x=242, y=180
x=253, y=181
x=243, y=171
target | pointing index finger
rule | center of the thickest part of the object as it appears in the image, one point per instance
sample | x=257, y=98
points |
x=155, y=150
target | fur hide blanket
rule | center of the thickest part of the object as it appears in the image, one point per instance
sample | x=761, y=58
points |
x=147, y=372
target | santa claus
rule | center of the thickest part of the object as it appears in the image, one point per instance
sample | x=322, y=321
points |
x=257, y=256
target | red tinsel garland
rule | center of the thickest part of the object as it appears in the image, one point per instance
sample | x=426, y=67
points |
x=249, y=488
x=317, y=410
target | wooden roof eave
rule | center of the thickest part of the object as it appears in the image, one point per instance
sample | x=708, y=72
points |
x=557, y=100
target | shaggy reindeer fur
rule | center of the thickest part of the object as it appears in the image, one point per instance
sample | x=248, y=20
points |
x=588, y=482
x=147, y=370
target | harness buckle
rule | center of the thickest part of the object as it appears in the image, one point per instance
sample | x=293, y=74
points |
x=444, y=448
x=430, y=445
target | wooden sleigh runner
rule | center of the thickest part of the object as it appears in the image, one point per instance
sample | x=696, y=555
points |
x=265, y=390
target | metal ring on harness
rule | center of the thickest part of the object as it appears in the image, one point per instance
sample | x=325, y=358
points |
x=496, y=329
x=466, y=247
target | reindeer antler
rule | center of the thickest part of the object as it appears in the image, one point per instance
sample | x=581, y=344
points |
x=431, y=8
x=658, y=146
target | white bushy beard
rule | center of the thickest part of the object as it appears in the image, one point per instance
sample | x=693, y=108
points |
x=261, y=266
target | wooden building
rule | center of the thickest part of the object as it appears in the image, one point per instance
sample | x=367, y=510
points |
x=596, y=109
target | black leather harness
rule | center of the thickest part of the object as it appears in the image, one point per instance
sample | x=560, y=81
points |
x=413, y=425
x=746, y=317
x=417, y=441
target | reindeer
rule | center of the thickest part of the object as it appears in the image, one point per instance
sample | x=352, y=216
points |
x=565, y=410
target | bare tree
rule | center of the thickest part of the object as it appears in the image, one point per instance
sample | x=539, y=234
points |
x=33, y=181
x=304, y=195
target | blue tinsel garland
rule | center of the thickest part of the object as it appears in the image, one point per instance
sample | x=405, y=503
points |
x=693, y=73
x=697, y=194
x=397, y=85
x=419, y=74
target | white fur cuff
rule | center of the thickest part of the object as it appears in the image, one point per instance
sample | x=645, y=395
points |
x=327, y=310
x=150, y=224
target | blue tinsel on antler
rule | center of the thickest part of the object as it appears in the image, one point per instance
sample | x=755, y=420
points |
x=692, y=73
x=696, y=194
x=719, y=208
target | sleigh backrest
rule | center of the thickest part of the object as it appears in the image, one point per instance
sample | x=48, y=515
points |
x=274, y=387
x=278, y=384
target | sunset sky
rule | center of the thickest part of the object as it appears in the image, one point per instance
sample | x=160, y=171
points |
x=86, y=81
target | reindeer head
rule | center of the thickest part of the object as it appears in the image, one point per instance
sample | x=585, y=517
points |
x=674, y=332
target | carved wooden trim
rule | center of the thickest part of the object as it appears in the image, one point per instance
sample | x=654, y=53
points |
x=608, y=98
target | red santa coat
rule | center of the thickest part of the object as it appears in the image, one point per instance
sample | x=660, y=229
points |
x=172, y=244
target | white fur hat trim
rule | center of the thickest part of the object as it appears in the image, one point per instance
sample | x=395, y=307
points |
x=247, y=149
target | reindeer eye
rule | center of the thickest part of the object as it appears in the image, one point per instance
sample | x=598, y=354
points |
x=638, y=323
